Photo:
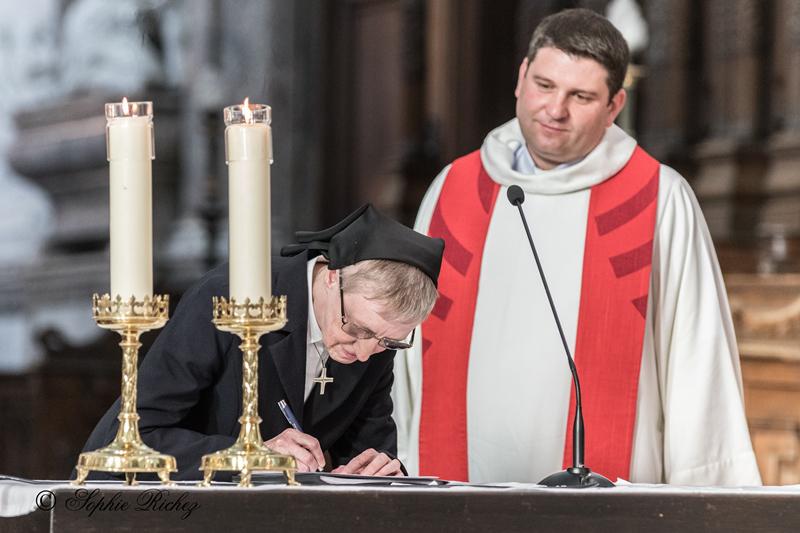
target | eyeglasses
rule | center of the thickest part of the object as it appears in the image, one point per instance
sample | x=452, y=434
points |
x=363, y=333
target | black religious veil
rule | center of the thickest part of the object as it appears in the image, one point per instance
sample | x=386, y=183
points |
x=368, y=234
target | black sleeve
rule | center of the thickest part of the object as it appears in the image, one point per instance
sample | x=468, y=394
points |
x=373, y=427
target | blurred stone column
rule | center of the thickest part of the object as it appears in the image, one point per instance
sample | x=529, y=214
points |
x=270, y=52
x=730, y=160
x=27, y=60
x=666, y=89
x=779, y=227
x=292, y=83
x=626, y=16
x=200, y=186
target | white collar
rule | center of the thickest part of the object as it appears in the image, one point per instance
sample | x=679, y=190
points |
x=608, y=157
x=314, y=334
x=524, y=163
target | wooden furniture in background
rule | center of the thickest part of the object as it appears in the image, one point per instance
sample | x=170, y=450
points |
x=766, y=311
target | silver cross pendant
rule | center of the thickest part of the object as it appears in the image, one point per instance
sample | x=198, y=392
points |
x=323, y=380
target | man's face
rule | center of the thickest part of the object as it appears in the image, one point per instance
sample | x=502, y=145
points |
x=362, y=312
x=563, y=106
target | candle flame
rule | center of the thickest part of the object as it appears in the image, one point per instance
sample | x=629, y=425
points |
x=125, y=109
x=246, y=112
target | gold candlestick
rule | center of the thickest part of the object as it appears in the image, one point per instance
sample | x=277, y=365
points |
x=127, y=453
x=249, y=454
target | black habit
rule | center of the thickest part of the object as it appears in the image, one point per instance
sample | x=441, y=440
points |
x=190, y=383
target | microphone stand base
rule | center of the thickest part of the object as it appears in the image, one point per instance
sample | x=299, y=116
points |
x=576, y=478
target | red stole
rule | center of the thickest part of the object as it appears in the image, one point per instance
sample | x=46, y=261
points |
x=608, y=349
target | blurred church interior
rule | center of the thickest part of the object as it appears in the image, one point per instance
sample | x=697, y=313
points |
x=370, y=98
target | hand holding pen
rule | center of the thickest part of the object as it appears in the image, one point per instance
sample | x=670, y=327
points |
x=368, y=463
x=303, y=447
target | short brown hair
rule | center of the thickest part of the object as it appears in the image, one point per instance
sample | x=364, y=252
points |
x=584, y=33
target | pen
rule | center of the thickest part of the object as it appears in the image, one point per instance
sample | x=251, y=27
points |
x=289, y=415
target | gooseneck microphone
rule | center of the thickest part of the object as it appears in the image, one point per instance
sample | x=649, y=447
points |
x=578, y=475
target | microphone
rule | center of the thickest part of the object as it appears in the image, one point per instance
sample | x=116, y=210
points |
x=578, y=476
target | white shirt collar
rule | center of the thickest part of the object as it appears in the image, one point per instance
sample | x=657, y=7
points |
x=315, y=348
x=314, y=334
x=524, y=163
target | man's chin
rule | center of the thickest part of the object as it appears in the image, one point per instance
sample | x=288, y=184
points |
x=546, y=161
x=344, y=357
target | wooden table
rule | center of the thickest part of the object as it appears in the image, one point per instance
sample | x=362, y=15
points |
x=153, y=508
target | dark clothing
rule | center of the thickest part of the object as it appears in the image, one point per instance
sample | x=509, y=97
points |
x=190, y=383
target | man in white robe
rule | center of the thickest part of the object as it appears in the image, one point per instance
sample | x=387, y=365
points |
x=690, y=426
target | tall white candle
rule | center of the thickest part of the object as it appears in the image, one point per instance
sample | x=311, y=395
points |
x=130, y=150
x=248, y=153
